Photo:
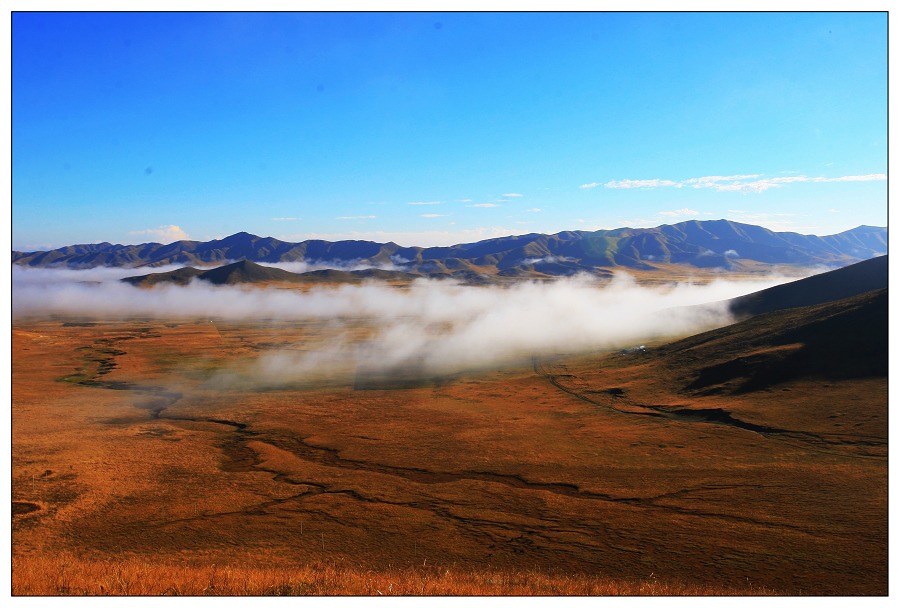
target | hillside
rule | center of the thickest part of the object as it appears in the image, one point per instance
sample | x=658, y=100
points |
x=831, y=325
x=694, y=244
x=246, y=272
x=837, y=340
x=182, y=276
x=826, y=287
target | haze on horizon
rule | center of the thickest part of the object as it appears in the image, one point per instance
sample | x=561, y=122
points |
x=442, y=128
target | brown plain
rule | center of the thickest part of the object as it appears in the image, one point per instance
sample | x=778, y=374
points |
x=132, y=474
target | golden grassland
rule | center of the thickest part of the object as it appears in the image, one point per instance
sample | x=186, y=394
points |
x=133, y=473
x=61, y=575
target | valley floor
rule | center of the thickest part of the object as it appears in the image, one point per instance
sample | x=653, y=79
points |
x=124, y=448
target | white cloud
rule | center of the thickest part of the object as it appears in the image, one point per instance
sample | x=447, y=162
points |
x=590, y=185
x=482, y=327
x=872, y=177
x=736, y=183
x=549, y=259
x=356, y=217
x=641, y=183
x=512, y=195
x=679, y=212
x=757, y=187
x=166, y=234
x=464, y=200
x=285, y=219
x=434, y=215
x=484, y=205
x=37, y=246
x=534, y=210
x=713, y=181
x=423, y=238
x=762, y=185
x=776, y=182
x=428, y=203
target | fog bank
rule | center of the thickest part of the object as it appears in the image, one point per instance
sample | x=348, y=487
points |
x=433, y=327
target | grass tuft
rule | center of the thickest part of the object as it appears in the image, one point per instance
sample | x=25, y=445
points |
x=67, y=575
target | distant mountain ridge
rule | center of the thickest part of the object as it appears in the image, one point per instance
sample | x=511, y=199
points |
x=704, y=244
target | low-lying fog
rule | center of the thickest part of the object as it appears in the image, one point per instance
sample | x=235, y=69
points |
x=432, y=327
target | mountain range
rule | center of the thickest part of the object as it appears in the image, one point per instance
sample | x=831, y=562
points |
x=699, y=244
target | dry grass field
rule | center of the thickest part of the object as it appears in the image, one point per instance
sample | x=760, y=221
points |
x=146, y=461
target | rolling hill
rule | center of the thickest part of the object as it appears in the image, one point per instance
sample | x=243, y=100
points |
x=831, y=326
x=245, y=272
x=694, y=244
x=818, y=289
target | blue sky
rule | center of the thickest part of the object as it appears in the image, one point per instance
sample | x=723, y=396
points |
x=440, y=128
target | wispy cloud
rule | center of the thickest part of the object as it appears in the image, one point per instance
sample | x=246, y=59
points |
x=513, y=195
x=426, y=203
x=464, y=200
x=534, y=210
x=642, y=183
x=735, y=183
x=590, y=185
x=484, y=205
x=356, y=217
x=679, y=212
x=434, y=215
x=285, y=219
x=872, y=177
x=757, y=186
x=425, y=238
x=166, y=234
x=713, y=181
x=34, y=246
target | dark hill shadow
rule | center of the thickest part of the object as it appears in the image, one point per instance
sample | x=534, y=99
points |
x=834, y=341
x=247, y=272
x=818, y=289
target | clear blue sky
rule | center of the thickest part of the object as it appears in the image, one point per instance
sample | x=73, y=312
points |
x=438, y=128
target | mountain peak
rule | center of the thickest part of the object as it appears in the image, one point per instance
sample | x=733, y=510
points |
x=239, y=237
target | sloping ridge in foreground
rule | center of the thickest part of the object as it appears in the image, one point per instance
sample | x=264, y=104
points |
x=846, y=337
x=838, y=340
x=818, y=289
